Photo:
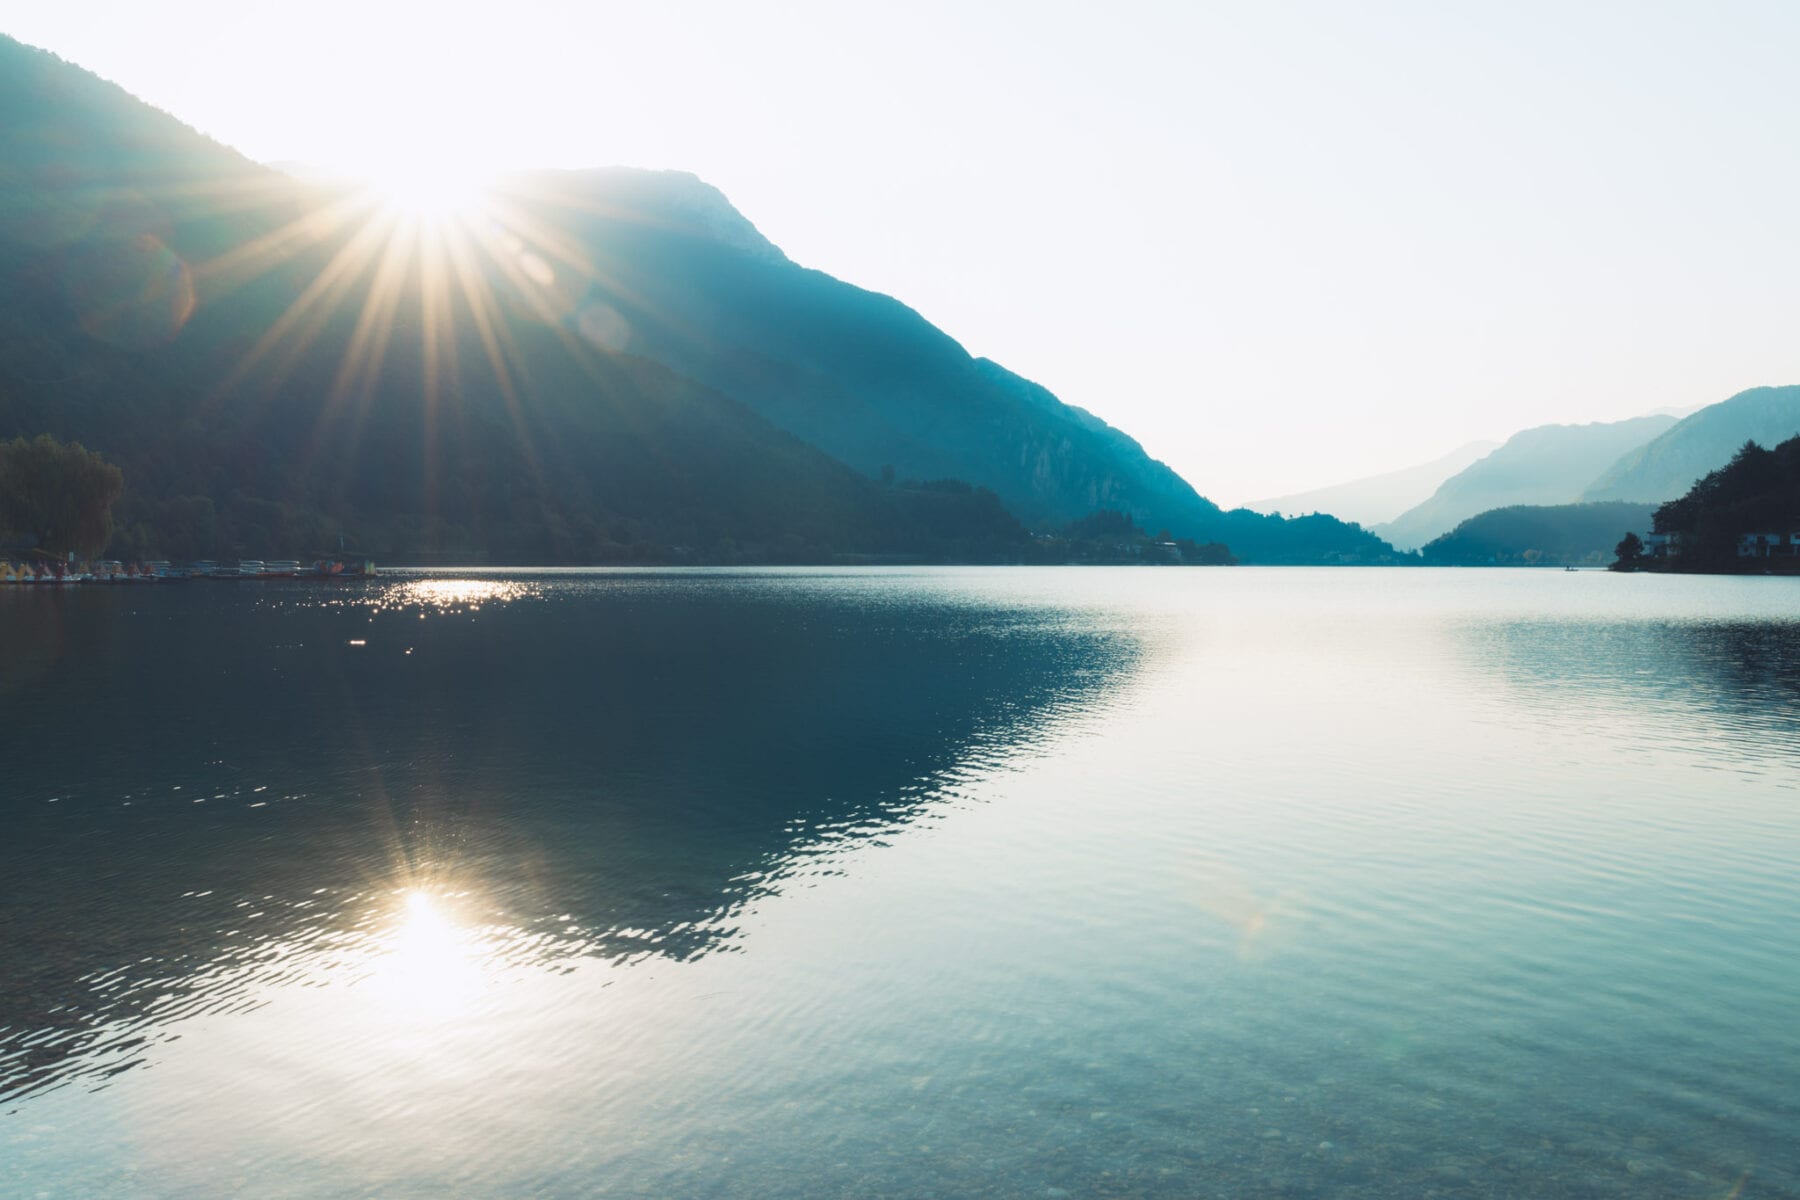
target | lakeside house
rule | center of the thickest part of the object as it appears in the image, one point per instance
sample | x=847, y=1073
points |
x=1768, y=545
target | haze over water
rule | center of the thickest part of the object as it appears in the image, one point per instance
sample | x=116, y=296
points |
x=952, y=882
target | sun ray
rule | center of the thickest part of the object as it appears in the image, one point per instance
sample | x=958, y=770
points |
x=542, y=237
x=545, y=238
x=515, y=204
x=437, y=332
x=480, y=301
x=242, y=192
x=550, y=306
x=359, y=371
x=313, y=307
x=502, y=263
x=251, y=259
x=496, y=344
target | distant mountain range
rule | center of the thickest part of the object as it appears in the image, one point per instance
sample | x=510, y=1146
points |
x=609, y=365
x=1641, y=461
x=1377, y=498
x=1550, y=464
x=1665, y=467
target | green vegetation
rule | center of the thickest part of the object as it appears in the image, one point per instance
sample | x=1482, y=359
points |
x=1629, y=553
x=1757, y=492
x=1536, y=535
x=1109, y=536
x=56, y=498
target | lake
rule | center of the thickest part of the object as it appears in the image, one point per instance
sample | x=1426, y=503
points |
x=888, y=882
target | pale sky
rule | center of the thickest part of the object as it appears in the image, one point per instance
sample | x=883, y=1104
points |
x=1282, y=245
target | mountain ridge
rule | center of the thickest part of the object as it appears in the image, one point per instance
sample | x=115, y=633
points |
x=867, y=378
x=1667, y=466
x=606, y=352
x=1540, y=466
x=1582, y=534
x=1371, y=500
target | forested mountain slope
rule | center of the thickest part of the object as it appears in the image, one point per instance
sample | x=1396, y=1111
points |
x=659, y=264
x=1529, y=535
x=596, y=366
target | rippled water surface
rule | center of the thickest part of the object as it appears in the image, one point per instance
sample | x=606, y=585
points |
x=970, y=882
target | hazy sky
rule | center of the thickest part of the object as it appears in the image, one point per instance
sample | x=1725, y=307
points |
x=1281, y=244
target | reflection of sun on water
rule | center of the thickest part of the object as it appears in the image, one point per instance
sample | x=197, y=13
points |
x=428, y=966
x=452, y=594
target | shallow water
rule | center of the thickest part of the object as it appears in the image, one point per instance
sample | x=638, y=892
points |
x=903, y=882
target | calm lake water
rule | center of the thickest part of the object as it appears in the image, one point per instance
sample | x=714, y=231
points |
x=910, y=883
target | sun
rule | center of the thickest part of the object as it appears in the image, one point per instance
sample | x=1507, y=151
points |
x=430, y=192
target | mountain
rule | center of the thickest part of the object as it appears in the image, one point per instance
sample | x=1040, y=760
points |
x=1668, y=465
x=1539, y=535
x=275, y=367
x=1550, y=464
x=605, y=365
x=660, y=265
x=1378, y=498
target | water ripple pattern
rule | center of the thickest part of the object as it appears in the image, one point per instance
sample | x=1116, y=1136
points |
x=899, y=882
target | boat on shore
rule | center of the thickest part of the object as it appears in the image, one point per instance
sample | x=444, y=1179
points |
x=338, y=567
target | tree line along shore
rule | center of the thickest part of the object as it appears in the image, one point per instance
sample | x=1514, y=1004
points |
x=57, y=500
x=1742, y=519
x=57, y=524
x=44, y=569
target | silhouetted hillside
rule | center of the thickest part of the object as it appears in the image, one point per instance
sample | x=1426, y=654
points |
x=659, y=264
x=1548, y=465
x=1529, y=535
x=275, y=365
x=1671, y=463
x=602, y=366
x=1757, y=493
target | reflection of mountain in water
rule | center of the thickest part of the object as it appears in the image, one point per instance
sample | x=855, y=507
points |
x=1706, y=684
x=208, y=782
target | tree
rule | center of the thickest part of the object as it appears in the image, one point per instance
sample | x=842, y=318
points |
x=58, y=496
x=1212, y=554
x=1630, y=549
